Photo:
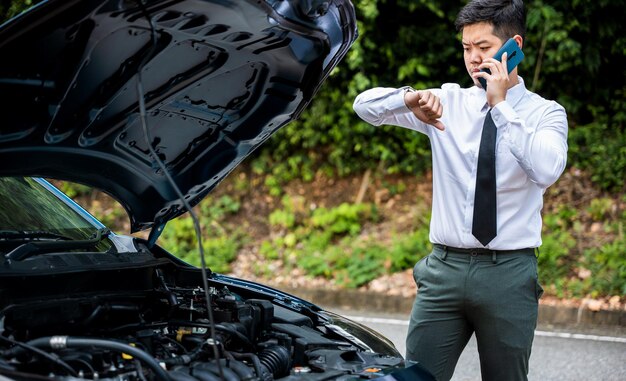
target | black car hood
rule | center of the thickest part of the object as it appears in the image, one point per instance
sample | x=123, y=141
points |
x=219, y=77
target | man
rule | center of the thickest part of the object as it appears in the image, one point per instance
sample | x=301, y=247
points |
x=481, y=276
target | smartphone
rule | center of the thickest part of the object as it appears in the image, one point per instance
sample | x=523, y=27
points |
x=514, y=56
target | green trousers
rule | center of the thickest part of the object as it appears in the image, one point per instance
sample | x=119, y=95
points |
x=460, y=293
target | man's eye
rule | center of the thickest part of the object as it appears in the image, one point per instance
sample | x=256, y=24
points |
x=484, y=49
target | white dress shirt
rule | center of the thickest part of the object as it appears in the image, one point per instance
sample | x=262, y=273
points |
x=531, y=153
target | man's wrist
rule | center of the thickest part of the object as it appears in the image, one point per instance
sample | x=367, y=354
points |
x=411, y=99
x=496, y=101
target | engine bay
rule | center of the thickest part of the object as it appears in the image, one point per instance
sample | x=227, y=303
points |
x=152, y=323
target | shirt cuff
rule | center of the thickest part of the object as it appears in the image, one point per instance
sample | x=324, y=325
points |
x=396, y=104
x=513, y=130
x=503, y=114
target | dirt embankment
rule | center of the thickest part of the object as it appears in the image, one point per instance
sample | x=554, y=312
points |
x=400, y=200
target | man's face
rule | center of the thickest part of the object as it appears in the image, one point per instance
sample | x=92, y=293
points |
x=479, y=43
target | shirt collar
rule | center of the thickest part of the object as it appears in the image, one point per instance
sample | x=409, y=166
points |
x=513, y=95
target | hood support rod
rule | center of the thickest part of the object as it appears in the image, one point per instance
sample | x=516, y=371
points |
x=155, y=233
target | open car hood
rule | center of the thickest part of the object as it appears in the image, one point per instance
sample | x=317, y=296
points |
x=219, y=77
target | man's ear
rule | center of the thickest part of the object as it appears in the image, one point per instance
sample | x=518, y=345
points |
x=519, y=40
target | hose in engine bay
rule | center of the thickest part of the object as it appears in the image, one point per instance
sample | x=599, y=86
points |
x=62, y=342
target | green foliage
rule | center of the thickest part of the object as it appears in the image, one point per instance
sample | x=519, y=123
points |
x=407, y=249
x=566, y=44
x=73, y=190
x=219, y=251
x=298, y=165
x=110, y=216
x=608, y=269
x=293, y=212
x=329, y=242
x=344, y=219
x=355, y=261
x=570, y=57
x=600, y=272
x=554, y=261
x=600, y=208
x=218, y=209
x=14, y=7
x=283, y=218
x=220, y=244
x=364, y=264
x=597, y=271
x=600, y=149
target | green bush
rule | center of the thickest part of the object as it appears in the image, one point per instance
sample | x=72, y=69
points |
x=608, y=269
x=364, y=264
x=555, y=260
x=329, y=242
x=220, y=244
x=344, y=219
x=597, y=271
x=73, y=190
x=600, y=149
x=355, y=261
x=179, y=238
x=407, y=249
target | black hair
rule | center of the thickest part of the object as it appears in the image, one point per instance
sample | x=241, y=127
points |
x=507, y=16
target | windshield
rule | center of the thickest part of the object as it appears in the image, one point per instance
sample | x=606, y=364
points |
x=31, y=211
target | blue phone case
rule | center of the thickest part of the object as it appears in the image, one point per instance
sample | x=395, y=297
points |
x=514, y=56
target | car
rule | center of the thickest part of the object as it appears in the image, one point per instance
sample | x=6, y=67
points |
x=155, y=102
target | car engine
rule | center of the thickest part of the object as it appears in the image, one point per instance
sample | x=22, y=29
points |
x=144, y=325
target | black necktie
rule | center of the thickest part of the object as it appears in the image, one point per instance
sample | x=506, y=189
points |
x=484, y=221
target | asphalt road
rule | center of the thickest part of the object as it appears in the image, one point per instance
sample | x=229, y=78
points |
x=563, y=354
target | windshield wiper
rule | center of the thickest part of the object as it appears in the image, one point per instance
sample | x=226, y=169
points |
x=28, y=249
x=22, y=235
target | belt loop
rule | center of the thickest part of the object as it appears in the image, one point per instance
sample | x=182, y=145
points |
x=537, y=253
x=445, y=253
x=493, y=257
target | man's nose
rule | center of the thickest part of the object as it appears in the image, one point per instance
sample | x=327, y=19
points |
x=476, y=57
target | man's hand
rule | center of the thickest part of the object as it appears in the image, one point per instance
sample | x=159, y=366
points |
x=498, y=81
x=426, y=106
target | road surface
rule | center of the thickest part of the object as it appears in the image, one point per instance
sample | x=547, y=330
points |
x=563, y=354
